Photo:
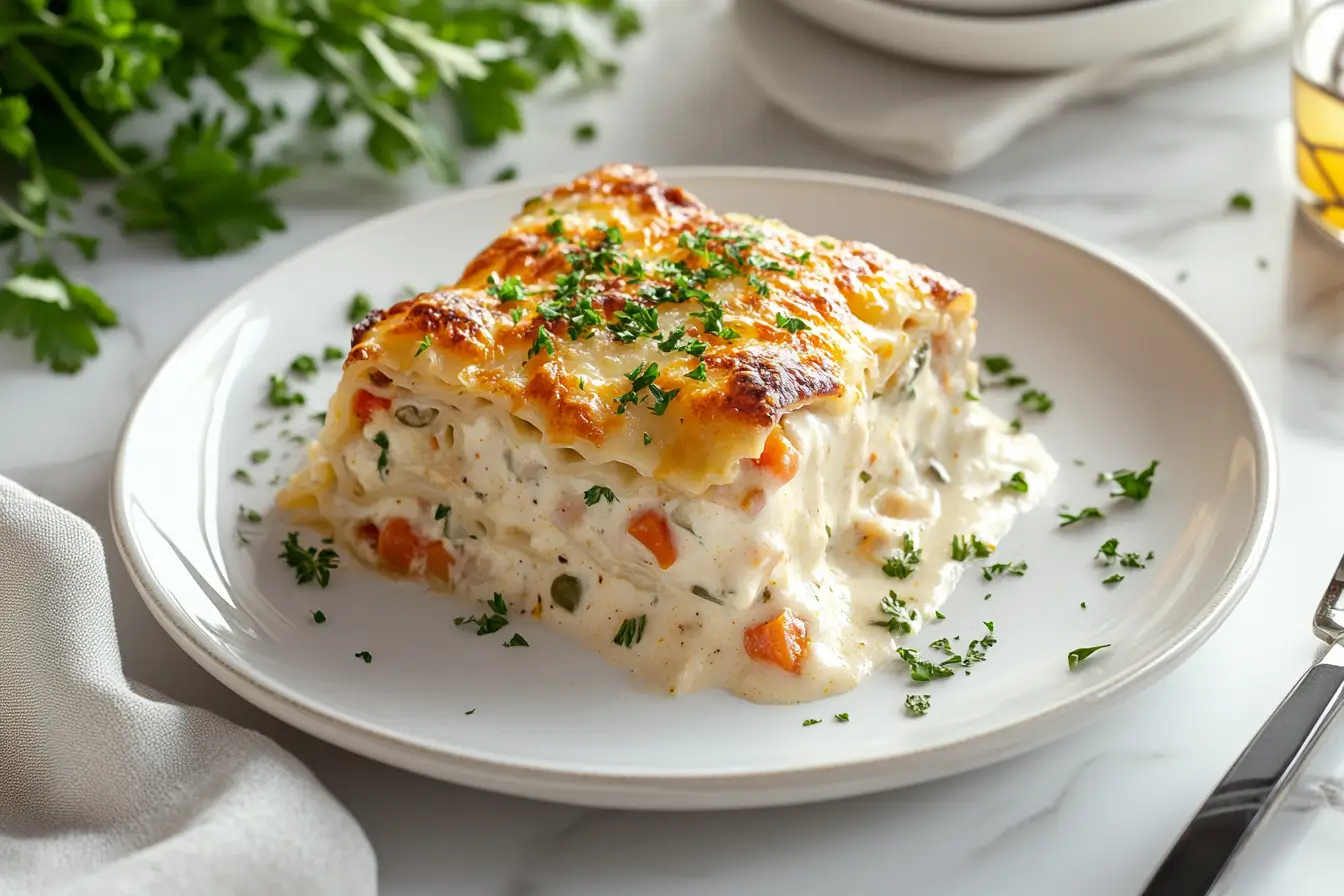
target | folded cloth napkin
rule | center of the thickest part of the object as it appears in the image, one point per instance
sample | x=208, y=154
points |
x=109, y=788
x=942, y=121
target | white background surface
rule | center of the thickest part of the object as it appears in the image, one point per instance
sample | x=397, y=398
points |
x=1147, y=177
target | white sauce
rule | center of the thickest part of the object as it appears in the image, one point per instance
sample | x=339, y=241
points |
x=519, y=520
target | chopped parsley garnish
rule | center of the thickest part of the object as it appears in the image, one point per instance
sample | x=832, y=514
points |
x=332, y=353
x=996, y=364
x=1087, y=513
x=247, y=515
x=792, y=324
x=1012, y=381
x=441, y=513
x=423, y=346
x=712, y=318
x=698, y=373
x=488, y=623
x=944, y=645
x=469, y=712
x=542, y=342
x=508, y=290
x=242, y=476
x=1113, y=579
x=516, y=314
x=303, y=365
x=799, y=257
x=1016, y=425
x=827, y=244
x=260, y=456
x=899, y=621
x=517, y=641
x=505, y=174
x=648, y=439
x=1036, y=400
x=381, y=441
x=365, y=656
x=586, y=132
x=938, y=614
x=917, y=704
x=1131, y=561
x=1017, y=568
x=808, y=723
x=598, y=493
x=674, y=343
x=631, y=631
x=661, y=399
x=633, y=321
x=970, y=396
x=280, y=395
x=1078, y=654
x=360, y=306
x=1135, y=486
x=556, y=227
x=922, y=670
x=319, y=617
x=842, y=717
x=1241, y=202
x=964, y=547
x=903, y=564
x=865, y=476
x=1015, y=483
x=309, y=564
x=762, y=288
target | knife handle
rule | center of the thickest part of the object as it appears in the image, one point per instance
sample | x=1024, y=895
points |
x=1258, y=781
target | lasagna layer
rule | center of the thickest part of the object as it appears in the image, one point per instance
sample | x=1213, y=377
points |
x=718, y=451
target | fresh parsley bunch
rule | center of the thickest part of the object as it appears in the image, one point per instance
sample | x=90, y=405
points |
x=73, y=71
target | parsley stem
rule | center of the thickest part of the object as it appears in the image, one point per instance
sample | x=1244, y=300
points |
x=86, y=130
x=22, y=221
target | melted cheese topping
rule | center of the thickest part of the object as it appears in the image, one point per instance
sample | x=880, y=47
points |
x=481, y=470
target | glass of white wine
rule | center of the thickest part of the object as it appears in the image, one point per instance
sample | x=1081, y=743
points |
x=1318, y=109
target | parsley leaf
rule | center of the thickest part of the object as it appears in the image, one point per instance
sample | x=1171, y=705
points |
x=1113, y=579
x=1241, y=202
x=661, y=399
x=365, y=656
x=542, y=342
x=517, y=641
x=423, y=346
x=917, y=704
x=309, y=564
x=1015, y=483
x=631, y=631
x=319, y=617
x=792, y=324
x=903, y=564
x=1078, y=654
x=303, y=365
x=698, y=373
x=1017, y=568
x=585, y=133
x=922, y=670
x=964, y=547
x=1131, y=484
x=899, y=621
x=380, y=439
x=505, y=174
x=260, y=456
x=842, y=717
x=359, y=308
x=488, y=623
x=280, y=395
x=1087, y=513
x=332, y=353
x=996, y=364
x=808, y=723
x=599, y=493
x=1037, y=401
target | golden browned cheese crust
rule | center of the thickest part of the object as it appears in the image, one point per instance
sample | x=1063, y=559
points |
x=818, y=322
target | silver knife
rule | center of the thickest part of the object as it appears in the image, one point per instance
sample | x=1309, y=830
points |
x=1214, y=846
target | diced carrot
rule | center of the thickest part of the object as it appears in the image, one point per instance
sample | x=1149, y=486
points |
x=650, y=528
x=398, y=545
x=782, y=641
x=779, y=456
x=438, y=562
x=366, y=403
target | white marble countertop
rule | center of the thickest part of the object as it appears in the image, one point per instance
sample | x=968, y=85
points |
x=1147, y=177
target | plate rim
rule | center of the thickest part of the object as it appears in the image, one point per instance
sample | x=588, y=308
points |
x=693, y=789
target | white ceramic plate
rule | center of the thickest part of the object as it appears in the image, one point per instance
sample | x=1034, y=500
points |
x=1004, y=7
x=1135, y=376
x=1030, y=43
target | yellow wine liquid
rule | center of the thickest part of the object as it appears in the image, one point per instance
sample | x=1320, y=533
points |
x=1318, y=116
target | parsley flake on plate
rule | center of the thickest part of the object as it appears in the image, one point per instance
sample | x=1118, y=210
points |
x=599, y=493
x=1132, y=485
x=922, y=670
x=309, y=564
x=1087, y=513
x=865, y=476
x=842, y=717
x=1016, y=568
x=631, y=631
x=380, y=439
x=359, y=308
x=260, y=456
x=1015, y=483
x=280, y=395
x=247, y=515
x=332, y=353
x=1036, y=401
x=1240, y=202
x=517, y=641
x=488, y=623
x=365, y=656
x=808, y=723
x=1113, y=579
x=1078, y=654
x=585, y=132
x=903, y=564
x=996, y=364
x=964, y=547
x=900, y=620
x=303, y=365
x=505, y=174
x=242, y=476
x=917, y=704
x=319, y=617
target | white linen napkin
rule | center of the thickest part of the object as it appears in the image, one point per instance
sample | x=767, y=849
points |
x=109, y=788
x=942, y=121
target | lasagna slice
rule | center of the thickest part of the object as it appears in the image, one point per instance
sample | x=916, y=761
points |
x=718, y=451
